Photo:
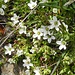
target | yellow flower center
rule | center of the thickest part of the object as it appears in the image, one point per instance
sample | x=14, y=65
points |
x=63, y=42
x=10, y=49
x=38, y=33
x=56, y=23
x=47, y=28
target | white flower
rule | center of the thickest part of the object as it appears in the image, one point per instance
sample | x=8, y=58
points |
x=37, y=33
x=3, y=6
x=27, y=72
x=9, y=49
x=15, y=19
x=45, y=30
x=53, y=52
x=54, y=10
x=49, y=38
x=62, y=44
x=37, y=71
x=32, y=50
x=27, y=63
x=10, y=60
x=6, y=1
x=1, y=11
x=19, y=52
x=22, y=30
x=28, y=34
x=32, y=4
x=55, y=23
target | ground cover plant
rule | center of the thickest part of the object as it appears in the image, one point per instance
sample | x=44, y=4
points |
x=40, y=34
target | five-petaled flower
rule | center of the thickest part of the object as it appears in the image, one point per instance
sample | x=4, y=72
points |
x=49, y=38
x=22, y=28
x=38, y=33
x=62, y=44
x=45, y=30
x=9, y=49
x=15, y=19
x=27, y=63
x=55, y=23
x=37, y=71
x=19, y=52
x=32, y=4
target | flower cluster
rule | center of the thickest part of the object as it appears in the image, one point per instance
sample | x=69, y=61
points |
x=9, y=49
x=44, y=32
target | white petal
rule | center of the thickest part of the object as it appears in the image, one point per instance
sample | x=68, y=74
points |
x=1, y=11
x=34, y=30
x=45, y=37
x=6, y=47
x=9, y=52
x=57, y=28
x=49, y=40
x=31, y=64
x=12, y=49
x=54, y=18
x=10, y=45
x=39, y=37
x=34, y=35
x=64, y=47
x=21, y=31
x=52, y=37
x=52, y=26
x=61, y=47
x=58, y=42
x=28, y=67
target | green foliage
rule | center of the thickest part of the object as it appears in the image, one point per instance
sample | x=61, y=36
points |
x=46, y=55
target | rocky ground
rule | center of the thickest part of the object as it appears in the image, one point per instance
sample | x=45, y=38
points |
x=11, y=69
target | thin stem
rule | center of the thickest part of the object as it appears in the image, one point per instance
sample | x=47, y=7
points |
x=29, y=13
x=69, y=2
x=2, y=23
x=7, y=38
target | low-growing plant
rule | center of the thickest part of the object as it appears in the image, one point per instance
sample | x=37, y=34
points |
x=40, y=34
